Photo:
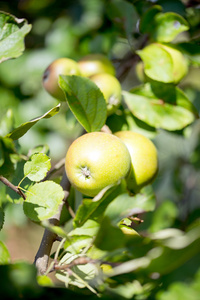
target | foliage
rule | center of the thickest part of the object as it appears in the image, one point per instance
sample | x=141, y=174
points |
x=155, y=50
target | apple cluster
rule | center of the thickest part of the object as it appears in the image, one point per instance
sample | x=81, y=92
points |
x=98, y=160
x=97, y=67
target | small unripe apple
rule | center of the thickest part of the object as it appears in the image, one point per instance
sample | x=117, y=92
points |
x=111, y=89
x=94, y=64
x=61, y=66
x=96, y=160
x=144, y=160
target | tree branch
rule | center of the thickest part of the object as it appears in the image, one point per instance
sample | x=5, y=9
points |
x=42, y=256
x=12, y=187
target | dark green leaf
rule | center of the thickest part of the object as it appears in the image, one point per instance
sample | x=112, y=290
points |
x=124, y=15
x=109, y=237
x=7, y=149
x=85, y=100
x=90, y=210
x=2, y=217
x=126, y=206
x=192, y=51
x=147, y=20
x=177, y=248
x=23, y=128
x=12, y=33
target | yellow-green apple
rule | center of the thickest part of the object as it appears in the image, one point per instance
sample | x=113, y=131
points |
x=61, y=66
x=94, y=64
x=111, y=89
x=144, y=159
x=96, y=160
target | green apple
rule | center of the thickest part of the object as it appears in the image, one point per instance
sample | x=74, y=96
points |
x=96, y=160
x=94, y=64
x=61, y=66
x=111, y=89
x=144, y=160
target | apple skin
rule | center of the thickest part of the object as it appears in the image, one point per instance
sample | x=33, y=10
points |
x=144, y=160
x=95, y=64
x=60, y=66
x=96, y=160
x=111, y=89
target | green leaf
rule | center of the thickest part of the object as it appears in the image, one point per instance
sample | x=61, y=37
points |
x=109, y=237
x=126, y=206
x=163, y=63
x=164, y=216
x=7, y=149
x=12, y=34
x=177, y=248
x=4, y=254
x=39, y=149
x=43, y=200
x=7, y=123
x=2, y=218
x=162, y=27
x=90, y=210
x=192, y=52
x=37, y=168
x=23, y=128
x=168, y=26
x=56, y=229
x=160, y=106
x=124, y=15
x=85, y=100
x=45, y=281
x=148, y=18
x=89, y=228
x=75, y=244
x=80, y=275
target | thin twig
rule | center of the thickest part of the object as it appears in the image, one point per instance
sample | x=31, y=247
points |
x=56, y=168
x=42, y=256
x=12, y=187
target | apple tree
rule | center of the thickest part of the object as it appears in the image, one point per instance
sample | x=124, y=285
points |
x=99, y=147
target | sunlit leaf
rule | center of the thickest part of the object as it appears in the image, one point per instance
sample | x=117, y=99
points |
x=12, y=34
x=4, y=254
x=160, y=106
x=85, y=100
x=38, y=166
x=162, y=27
x=163, y=63
x=43, y=200
x=23, y=128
